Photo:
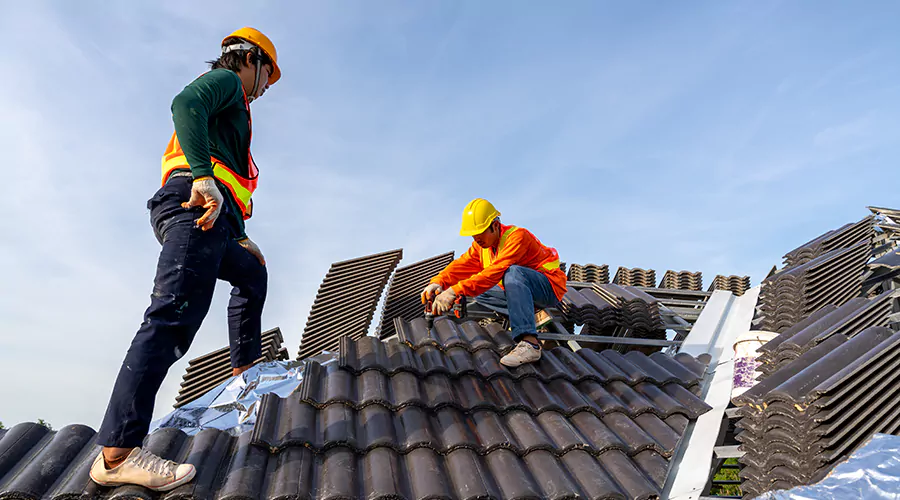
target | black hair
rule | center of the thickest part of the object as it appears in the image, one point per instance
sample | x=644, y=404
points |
x=234, y=60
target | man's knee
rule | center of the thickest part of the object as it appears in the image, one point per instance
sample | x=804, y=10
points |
x=259, y=285
x=514, y=275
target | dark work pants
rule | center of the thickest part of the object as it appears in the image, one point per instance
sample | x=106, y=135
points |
x=189, y=263
x=525, y=289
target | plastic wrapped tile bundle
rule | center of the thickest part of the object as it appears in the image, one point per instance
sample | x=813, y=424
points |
x=793, y=294
x=635, y=277
x=745, y=362
x=590, y=273
x=808, y=416
x=682, y=280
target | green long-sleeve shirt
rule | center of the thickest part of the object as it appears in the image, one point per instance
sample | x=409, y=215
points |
x=211, y=120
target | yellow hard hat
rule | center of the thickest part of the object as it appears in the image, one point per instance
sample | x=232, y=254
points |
x=256, y=37
x=477, y=217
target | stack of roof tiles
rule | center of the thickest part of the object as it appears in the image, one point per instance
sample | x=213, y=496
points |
x=206, y=372
x=635, y=277
x=430, y=415
x=590, y=273
x=843, y=237
x=799, y=422
x=403, y=293
x=346, y=301
x=794, y=293
x=848, y=320
x=610, y=306
x=734, y=284
x=682, y=280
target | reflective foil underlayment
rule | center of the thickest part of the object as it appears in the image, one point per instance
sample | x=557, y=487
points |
x=233, y=404
x=873, y=471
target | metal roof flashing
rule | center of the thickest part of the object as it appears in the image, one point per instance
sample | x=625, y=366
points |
x=724, y=318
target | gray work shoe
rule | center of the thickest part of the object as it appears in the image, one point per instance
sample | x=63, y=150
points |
x=524, y=353
x=144, y=469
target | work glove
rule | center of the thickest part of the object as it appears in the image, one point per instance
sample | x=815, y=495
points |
x=443, y=302
x=205, y=193
x=251, y=247
x=430, y=291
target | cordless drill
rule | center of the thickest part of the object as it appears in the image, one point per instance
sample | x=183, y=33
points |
x=458, y=309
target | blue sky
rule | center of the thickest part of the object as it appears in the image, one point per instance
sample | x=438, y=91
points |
x=711, y=136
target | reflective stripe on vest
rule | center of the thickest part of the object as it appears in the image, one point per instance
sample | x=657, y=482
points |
x=241, y=187
x=487, y=257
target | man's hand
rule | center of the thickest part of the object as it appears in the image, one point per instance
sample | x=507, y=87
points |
x=205, y=193
x=252, y=248
x=430, y=291
x=443, y=302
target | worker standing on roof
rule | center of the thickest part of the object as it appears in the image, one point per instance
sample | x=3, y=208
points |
x=208, y=178
x=506, y=269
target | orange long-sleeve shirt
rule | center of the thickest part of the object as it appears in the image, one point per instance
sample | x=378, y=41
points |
x=467, y=275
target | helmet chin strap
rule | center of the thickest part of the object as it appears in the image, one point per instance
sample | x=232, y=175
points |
x=252, y=95
x=255, y=50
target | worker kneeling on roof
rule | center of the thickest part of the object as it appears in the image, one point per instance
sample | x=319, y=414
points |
x=507, y=270
x=208, y=177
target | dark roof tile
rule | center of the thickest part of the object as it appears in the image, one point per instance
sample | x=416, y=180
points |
x=402, y=299
x=346, y=301
x=434, y=418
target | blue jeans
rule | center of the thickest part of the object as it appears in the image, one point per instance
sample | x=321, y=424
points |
x=189, y=263
x=525, y=289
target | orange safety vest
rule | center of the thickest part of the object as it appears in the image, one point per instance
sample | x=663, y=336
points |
x=241, y=187
x=487, y=254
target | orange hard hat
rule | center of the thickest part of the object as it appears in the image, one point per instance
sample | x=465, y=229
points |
x=256, y=37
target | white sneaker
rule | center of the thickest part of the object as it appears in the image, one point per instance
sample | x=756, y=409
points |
x=144, y=469
x=525, y=352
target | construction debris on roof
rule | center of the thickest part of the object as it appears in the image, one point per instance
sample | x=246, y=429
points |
x=887, y=221
x=430, y=415
x=737, y=285
x=682, y=280
x=635, y=277
x=804, y=418
x=346, y=301
x=590, y=273
x=882, y=273
x=843, y=237
x=406, y=285
x=851, y=318
x=794, y=293
x=602, y=307
x=206, y=372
